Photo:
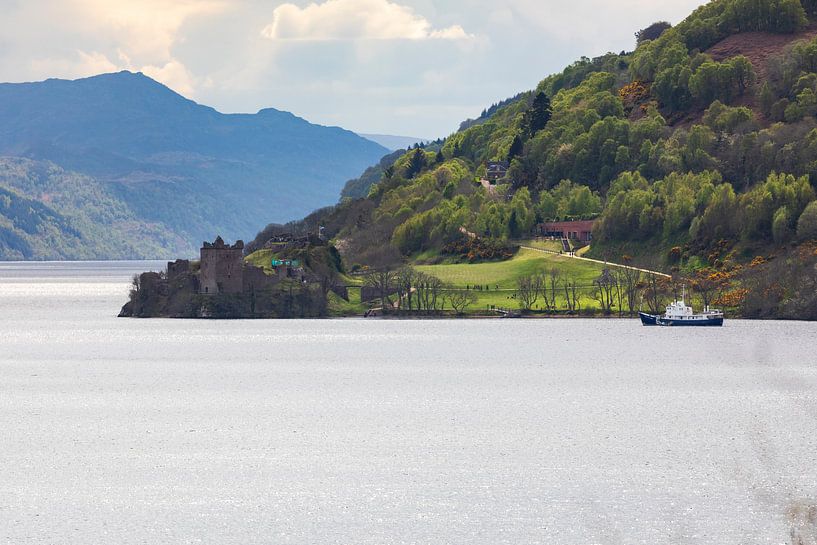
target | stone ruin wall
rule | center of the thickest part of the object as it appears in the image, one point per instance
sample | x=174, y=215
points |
x=222, y=268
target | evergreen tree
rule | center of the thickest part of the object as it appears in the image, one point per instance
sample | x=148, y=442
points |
x=766, y=99
x=416, y=164
x=516, y=148
x=440, y=157
x=513, y=225
x=538, y=116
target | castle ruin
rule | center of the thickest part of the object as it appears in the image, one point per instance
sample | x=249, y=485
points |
x=222, y=268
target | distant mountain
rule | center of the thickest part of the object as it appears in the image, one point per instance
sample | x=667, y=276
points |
x=169, y=165
x=394, y=143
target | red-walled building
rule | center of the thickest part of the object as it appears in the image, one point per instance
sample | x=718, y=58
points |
x=573, y=230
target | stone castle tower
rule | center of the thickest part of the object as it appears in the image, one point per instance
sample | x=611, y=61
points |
x=222, y=267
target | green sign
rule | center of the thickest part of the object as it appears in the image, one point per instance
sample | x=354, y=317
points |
x=286, y=263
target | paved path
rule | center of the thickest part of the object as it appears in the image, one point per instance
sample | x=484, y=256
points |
x=597, y=261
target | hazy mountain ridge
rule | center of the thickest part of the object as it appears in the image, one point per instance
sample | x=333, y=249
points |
x=178, y=164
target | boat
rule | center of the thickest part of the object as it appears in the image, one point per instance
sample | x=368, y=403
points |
x=679, y=314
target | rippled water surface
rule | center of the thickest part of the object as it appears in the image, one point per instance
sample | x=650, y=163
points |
x=123, y=431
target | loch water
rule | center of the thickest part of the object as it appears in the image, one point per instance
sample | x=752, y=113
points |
x=125, y=431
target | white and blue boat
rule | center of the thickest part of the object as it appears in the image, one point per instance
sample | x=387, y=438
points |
x=679, y=314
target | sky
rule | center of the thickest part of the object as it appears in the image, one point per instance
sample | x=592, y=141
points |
x=403, y=67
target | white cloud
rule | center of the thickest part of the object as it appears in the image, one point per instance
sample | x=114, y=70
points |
x=355, y=20
x=175, y=75
x=81, y=64
x=381, y=66
x=145, y=29
x=136, y=35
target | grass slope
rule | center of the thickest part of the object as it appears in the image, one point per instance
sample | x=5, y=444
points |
x=501, y=278
x=506, y=274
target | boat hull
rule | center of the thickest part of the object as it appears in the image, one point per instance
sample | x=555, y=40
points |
x=648, y=319
x=701, y=322
x=651, y=320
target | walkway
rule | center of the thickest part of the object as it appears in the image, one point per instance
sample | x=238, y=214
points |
x=607, y=263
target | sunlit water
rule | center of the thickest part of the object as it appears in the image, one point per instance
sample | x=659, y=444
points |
x=117, y=431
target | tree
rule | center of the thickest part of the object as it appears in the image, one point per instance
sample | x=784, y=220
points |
x=781, y=230
x=652, y=32
x=538, y=116
x=517, y=147
x=707, y=283
x=766, y=99
x=416, y=164
x=522, y=215
x=528, y=290
x=404, y=283
x=654, y=292
x=571, y=287
x=807, y=224
x=513, y=225
x=383, y=281
x=629, y=279
x=430, y=295
x=550, y=288
x=461, y=300
x=742, y=73
x=136, y=287
x=722, y=80
x=605, y=289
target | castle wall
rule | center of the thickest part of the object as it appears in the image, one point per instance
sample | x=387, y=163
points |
x=256, y=280
x=177, y=268
x=221, y=268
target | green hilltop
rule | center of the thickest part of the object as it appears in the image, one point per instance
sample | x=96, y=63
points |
x=696, y=154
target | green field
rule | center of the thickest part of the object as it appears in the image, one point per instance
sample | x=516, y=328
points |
x=506, y=274
x=543, y=244
x=499, y=279
x=262, y=259
x=353, y=307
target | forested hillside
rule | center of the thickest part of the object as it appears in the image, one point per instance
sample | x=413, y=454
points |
x=182, y=171
x=697, y=152
x=50, y=213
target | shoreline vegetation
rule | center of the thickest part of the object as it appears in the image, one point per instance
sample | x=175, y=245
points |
x=305, y=277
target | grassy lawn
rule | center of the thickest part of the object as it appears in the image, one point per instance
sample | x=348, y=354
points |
x=505, y=299
x=505, y=274
x=543, y=244
x=351, y=280
x=353, y=307
x=262, y=259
